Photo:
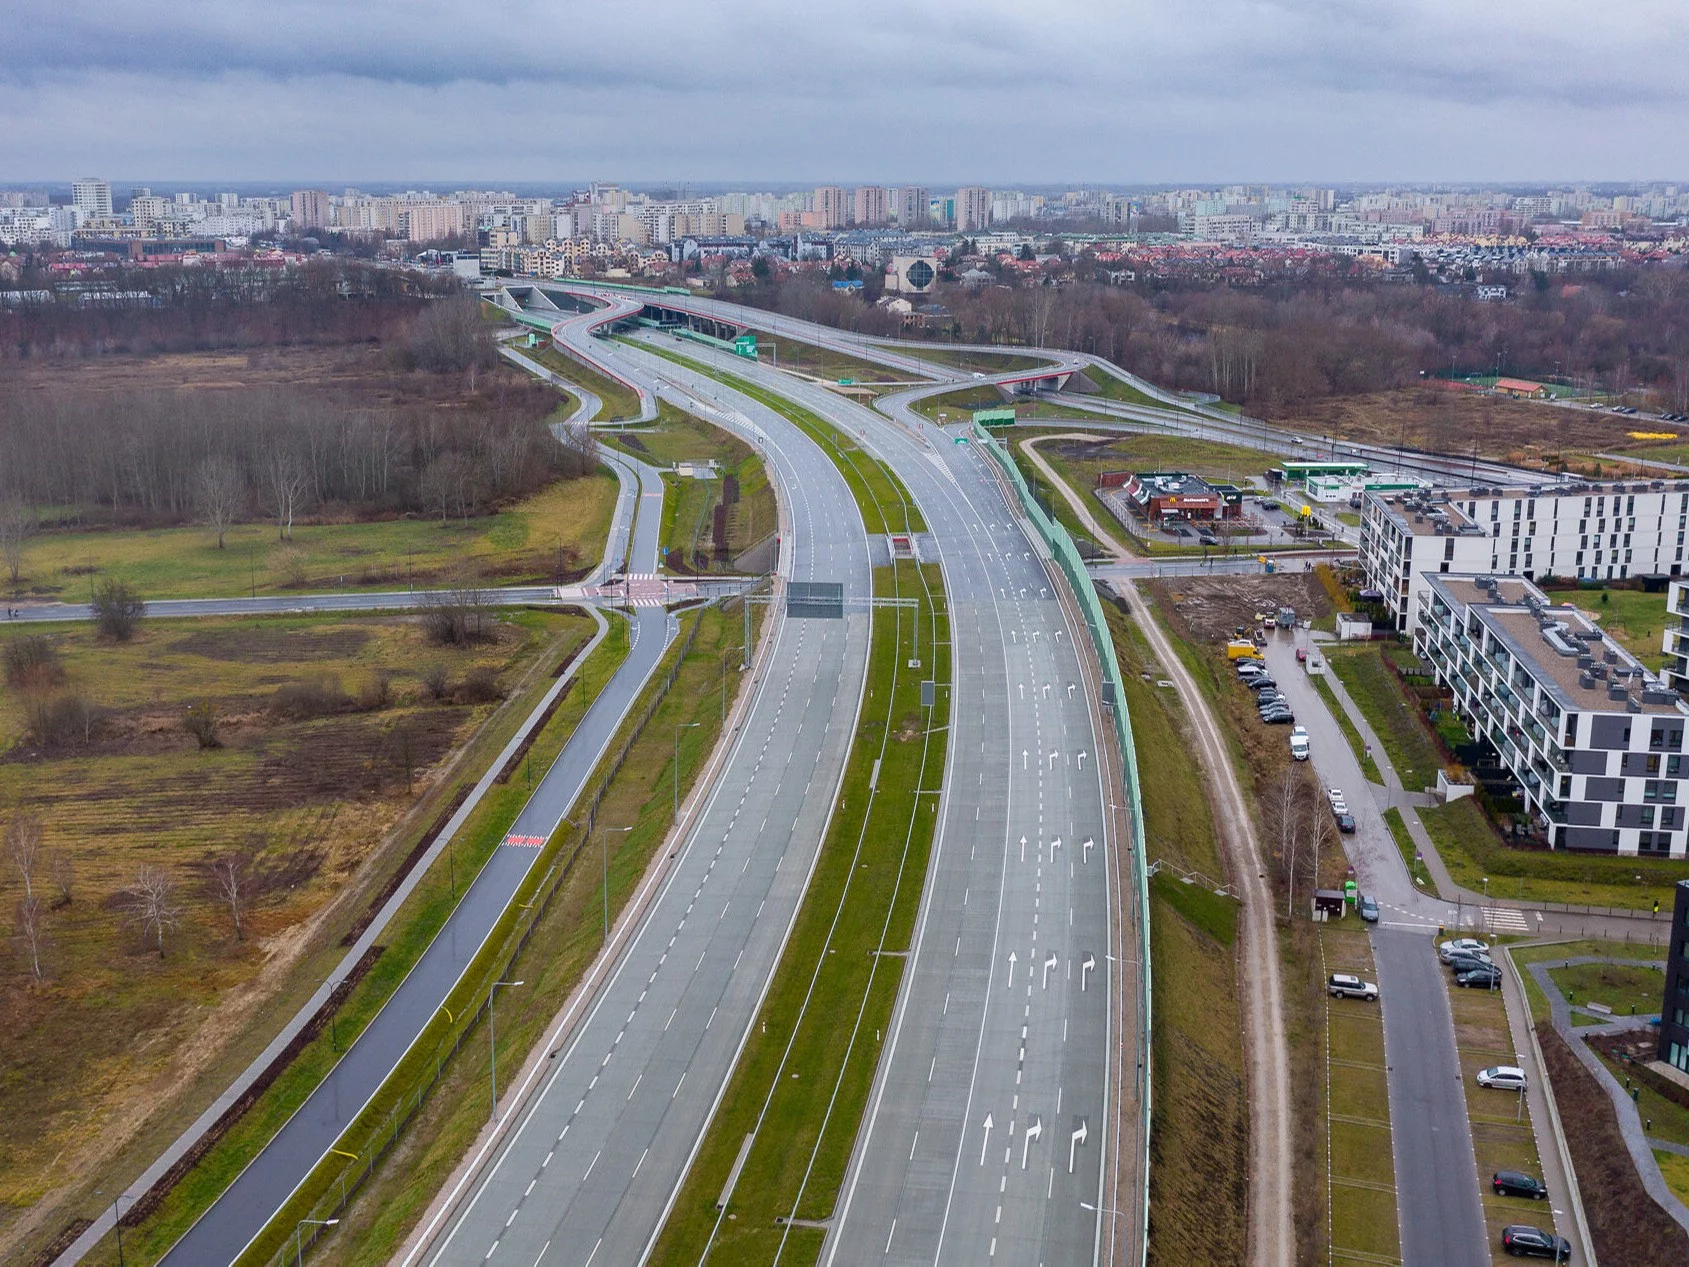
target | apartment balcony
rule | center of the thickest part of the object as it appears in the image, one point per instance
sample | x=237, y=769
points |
x=1553, y=811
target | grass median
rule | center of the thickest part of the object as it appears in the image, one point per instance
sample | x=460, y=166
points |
x=620, y=402
x=885, y=504
x=412, y=930
x=802, y=1081
x=1394, y=718
x=1357, y=745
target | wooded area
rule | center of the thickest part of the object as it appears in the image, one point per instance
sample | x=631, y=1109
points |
x=412, y=417
x=1280, y=347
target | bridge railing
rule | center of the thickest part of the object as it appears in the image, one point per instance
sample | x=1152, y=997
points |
x=1066, y=555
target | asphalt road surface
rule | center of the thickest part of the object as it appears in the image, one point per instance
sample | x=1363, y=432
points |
x=974, y=1035
x=589, y=1167
x=244, y=1208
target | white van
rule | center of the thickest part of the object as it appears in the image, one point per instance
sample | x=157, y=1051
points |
x=1299, y=743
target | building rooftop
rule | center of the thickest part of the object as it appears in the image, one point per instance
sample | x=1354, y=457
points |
x=1561, y=647
x=1440, y=511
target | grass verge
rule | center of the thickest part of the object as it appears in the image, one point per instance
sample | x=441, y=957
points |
x=1357, y=745
x=1394, y=718
x=1471, y=850
x=827, y=363
x=1627, y=990
x=804, y=1075
x=1199, y=1135
x=1409, y=851
x=410, y=933
x=620, y=401
x=985, y=362
x=1361, y=1167
x=1051, y=499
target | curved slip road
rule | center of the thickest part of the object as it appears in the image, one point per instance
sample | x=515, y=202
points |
x=243, y=1209
x=587, y=1168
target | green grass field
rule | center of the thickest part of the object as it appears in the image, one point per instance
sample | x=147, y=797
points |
x=1471, y=850
x=818, y=1035
x=1559, y=952
x=561, y=529
x=1111, y=388
x=1629, y=991
x=1357, y=745
x=131, y=1019
x=826, y=363
x=1394, y=718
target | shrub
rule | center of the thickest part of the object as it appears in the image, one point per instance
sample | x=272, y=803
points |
x=313, y=697
x=480, y=686
x=32, y=662
x=117, y=610
x=57, y=721
x=291, y=563
x=200, y=721
x=376, y=692
x=436, y=680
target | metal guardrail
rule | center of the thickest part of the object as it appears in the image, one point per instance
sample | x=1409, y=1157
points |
x=1079, y=581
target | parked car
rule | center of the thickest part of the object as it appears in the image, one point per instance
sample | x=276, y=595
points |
x=1469, y=961
x=1461, y=946
x=1270, y=699
x=1301, y=655
x=1533, y=1242
x=1283, y=717
x=1260, y=681
x=1479, y=979
x=1343, y=985
x=1515, y=1183
x=1299, y=748
x=1334, y=794
x=1367, y=906
x=1346, y=825
x=1502, y=1077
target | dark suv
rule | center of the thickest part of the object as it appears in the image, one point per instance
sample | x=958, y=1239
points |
x=1533, y=1242
x=1514, y=1183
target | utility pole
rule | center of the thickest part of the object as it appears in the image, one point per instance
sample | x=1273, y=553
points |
x=685, y=725
x=492, y=1042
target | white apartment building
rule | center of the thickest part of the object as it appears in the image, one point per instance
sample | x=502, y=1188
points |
x=973, y=208
x=1675, y=639
x=1593, y=740
x=1590, y=532
x=92, y=198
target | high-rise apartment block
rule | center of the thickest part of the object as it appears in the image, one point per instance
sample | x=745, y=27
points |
x=870, y=206
x=830, y=207
x=912, y=208
x=92, y=198
x=973, y=209
x=310, y=209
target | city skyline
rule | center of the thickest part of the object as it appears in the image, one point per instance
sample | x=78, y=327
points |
x=1126, y=94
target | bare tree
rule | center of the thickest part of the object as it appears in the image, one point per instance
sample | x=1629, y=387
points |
x=1322, y=834
x=232, y=882
x=29, y=911
x=219, y=490
x=23, y=848
x=18, y=523
x=286, y=484
x=151, y=903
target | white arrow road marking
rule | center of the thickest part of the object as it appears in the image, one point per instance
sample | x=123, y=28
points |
x=1023, y=758
x=1013, y=959
x=1054, y=753
x=1070, y=690
x=1049, y=963
x=1054, y=845
x=1082, y=757
x=986, y=1142
x=1087, y=847
x=1032, y=1133
x=1087, y=964
x=1077, y=1139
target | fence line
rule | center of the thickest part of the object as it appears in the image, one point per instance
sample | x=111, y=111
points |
x=382, y=1139
x=1066, y=555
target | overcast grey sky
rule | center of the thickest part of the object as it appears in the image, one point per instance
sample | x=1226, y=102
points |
x=1108, y=91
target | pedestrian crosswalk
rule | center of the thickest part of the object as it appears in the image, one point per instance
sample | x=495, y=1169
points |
x=524, y=842
x=1505, y=919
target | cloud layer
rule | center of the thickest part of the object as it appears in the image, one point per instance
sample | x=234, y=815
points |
x=1111, y=91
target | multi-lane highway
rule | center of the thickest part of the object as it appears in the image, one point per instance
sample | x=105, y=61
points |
x=1003, y=1013
x=591, y=1160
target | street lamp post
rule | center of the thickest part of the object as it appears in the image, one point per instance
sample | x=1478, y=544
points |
x=685, y=725
x=116, y=1221
x=492, y=1042
x=604, y=842
x=299, y=1236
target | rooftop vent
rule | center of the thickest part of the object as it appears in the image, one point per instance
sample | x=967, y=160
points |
x=1586, y=681
x=1610, y=656
x=1631, y=706
x=1617, y=692
x=1584, y=661
x=1599, y=670
x=1555, y=636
